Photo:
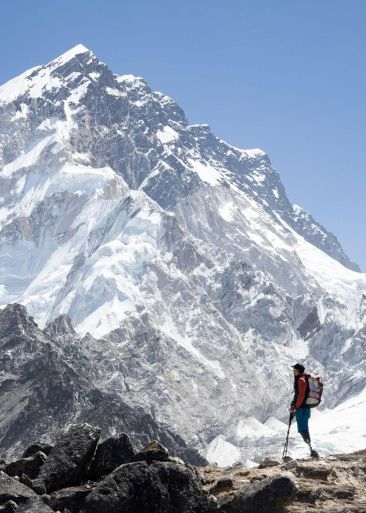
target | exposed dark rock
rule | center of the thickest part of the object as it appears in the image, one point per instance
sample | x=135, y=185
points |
x=110, y=454
x=46, y=498
x=336, y=483
x=27, y=481
x=162, y=487
x=12, y=489
x=9, y=507
x=69, y=461
x=13, y=492
x=152, y=452
x=60, y=326
x=52, y=384
x=321, y=471
x=269, y=462
x=34, y=506
x=140, y=426
x=36, y=447
x=225, y=483
x=265, y=496
x=310, y=325
x=69, y=498
x=28, y=466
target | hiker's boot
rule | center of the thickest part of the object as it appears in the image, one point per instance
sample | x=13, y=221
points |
x=314, y=454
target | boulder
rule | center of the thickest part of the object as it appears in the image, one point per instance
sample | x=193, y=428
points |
x=9, y=507
x=68, y=463
x=12, y=489
x=36, y=447
x=265, y=496
x=153, y=451
x=225, y=483
x=28, y=466
x=13, y=492
x=159, y=487
x=314, y=470
x=109, y=455
x=269, y=462
x=71, y=498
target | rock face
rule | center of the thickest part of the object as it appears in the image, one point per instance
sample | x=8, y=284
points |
x=158, y=487
x=71, y=499
x=70, y=459
x=14, y=493
x=334, y=484
x=182, y=256
x=52, y=381
x=109, y=455
x=146, y=485
x=37, y=447
x=267, y=495
x=152, y=452
x=29, y=466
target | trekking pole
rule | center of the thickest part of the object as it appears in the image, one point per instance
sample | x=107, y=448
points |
x=284, y=453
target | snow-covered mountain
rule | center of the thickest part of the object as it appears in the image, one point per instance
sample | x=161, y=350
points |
x=179, y=250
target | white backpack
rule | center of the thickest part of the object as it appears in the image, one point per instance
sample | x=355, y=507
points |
x=315, y=391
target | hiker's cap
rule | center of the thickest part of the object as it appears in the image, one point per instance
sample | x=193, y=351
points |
x=299, y=367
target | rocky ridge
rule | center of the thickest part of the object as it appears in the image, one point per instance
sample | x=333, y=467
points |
x=46, y=382
x=151, y=481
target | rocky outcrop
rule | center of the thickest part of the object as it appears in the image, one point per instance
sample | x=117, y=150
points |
x=37, y=447
x=29, y=466
x=47, y=380
x=109, y=455
x=15, y=496
x=123, y=480
x=152, y=452
x=70, y=499
x=70, y=459
x=266, y=495
x=155, y=487
x=152, y=481
x=333, y=484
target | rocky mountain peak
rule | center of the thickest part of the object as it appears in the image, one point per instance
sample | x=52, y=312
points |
x=60, y=326
x=15, y=321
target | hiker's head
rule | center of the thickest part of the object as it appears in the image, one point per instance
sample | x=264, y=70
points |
x=298, y=369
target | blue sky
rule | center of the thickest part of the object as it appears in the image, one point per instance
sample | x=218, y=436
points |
x=287, y=76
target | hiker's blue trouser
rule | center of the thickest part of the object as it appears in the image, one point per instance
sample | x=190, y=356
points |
x=302, y=418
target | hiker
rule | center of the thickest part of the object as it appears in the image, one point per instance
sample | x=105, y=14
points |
x=299, y=408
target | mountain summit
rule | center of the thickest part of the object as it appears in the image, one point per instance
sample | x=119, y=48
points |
x=181, y=250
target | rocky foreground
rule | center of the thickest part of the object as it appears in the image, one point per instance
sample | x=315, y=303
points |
x=81, y=474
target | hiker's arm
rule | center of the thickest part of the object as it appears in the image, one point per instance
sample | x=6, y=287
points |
x=301, y=393
x=293, y=402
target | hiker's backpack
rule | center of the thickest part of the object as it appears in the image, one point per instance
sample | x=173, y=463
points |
x=315, y=391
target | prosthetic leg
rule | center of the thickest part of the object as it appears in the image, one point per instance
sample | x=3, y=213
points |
x=306, y=437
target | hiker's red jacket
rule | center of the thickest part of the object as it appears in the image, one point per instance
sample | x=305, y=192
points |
x=302, y=386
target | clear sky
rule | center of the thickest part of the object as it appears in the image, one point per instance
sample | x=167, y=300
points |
x=288, y=76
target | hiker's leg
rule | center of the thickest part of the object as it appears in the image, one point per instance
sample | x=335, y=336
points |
x=305, y=436
x=302, y=419
x=313, y=454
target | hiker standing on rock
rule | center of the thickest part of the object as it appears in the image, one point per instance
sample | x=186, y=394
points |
x=299, y=408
